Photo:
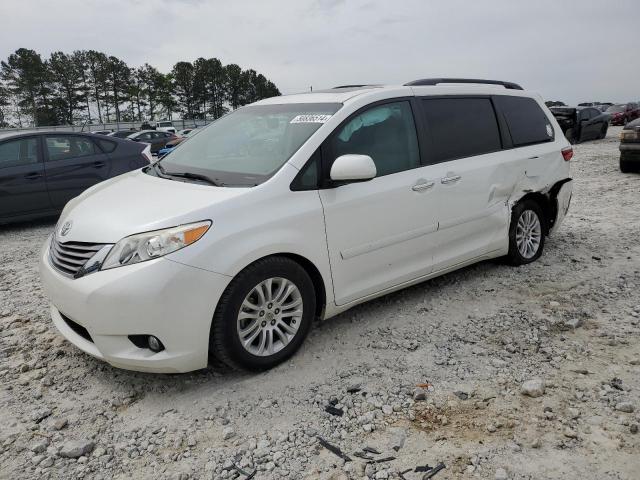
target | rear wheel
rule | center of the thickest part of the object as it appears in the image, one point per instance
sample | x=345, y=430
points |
x=264, y=315
x=526, y=233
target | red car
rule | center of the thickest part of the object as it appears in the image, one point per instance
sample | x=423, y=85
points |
x=623, y=114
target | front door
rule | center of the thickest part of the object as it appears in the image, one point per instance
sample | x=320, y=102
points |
x=379, y=232
x=22, y=187
x=73, y=163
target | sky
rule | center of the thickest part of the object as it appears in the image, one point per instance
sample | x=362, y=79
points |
x=568, y=50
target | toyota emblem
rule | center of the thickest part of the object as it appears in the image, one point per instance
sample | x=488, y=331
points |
x=66, y=228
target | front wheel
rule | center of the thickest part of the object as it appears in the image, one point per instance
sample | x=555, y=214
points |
x=264, y=315
x=603, y=132
x=625, y=165
x=526, y=233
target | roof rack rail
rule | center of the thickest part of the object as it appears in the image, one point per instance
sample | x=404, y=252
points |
x=437, y=81
x=350, y=86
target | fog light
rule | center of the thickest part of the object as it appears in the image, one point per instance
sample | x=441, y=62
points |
x=155, y=345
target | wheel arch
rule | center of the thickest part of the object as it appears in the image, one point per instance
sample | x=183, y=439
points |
x=316, y=277
x=545, y=204
x=547, y=199
x=320, y=285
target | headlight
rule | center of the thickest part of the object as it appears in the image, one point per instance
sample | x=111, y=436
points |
x=147, y=246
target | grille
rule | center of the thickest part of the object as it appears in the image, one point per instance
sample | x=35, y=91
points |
x=70, y=257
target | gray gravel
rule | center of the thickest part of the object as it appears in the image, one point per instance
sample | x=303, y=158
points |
x=435, y=373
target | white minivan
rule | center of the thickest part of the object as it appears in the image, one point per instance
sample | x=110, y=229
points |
x=297, y=208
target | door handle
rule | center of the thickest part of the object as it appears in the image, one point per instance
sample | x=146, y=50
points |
x=33, y=176
x=98, y=164
x=422, y=186
x=451, y=179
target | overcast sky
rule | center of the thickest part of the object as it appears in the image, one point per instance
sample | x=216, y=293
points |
x=572, y=50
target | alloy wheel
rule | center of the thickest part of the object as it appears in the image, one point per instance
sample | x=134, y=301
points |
x=270, y=316
x=528, y=234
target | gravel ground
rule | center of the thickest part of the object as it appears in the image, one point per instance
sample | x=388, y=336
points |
x=497, y=372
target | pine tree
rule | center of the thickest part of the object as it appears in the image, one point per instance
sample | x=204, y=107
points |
x=66, y=82
x=25, y=75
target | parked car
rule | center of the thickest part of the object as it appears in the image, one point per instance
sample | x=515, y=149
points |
x=182, y=136
x=156, y=139
x=185, y=132
x=630, y=147
x=234, y=243
x=122, y=133
x=165, y=126
x=581, y=123
x=623, y=113
x=41, y=171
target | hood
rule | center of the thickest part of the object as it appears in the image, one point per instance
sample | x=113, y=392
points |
x=136, y=202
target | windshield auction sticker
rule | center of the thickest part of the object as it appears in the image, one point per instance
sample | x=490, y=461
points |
x=311, y=118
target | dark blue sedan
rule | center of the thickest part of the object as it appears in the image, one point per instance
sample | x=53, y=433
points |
x=41, y=171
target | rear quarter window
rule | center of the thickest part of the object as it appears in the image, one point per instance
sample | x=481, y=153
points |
x=106, y=146
x=460, y=127
x=526, y=121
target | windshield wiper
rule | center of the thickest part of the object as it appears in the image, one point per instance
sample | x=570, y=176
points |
x=191, y=176
x=156, y=166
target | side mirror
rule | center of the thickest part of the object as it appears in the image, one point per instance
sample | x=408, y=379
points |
x=356, y=168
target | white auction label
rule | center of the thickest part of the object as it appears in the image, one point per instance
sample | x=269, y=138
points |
x=311, y=118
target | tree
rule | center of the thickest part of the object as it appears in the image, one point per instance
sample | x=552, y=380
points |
x=79, y=58
x=234, y=85
x=152, y=84
x=26, y=77
x=136, y=92
x=165, y=95
x=215, y=87
x=67, y=82
x=5, y=102
x=96, y=63
x=89, y=84
x=183, y=74
x=118, y=82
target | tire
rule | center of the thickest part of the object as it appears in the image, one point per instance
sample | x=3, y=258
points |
x=603, y=132
x=523, y=214
x=571, y=136
x=262, y=316
x=625, y=165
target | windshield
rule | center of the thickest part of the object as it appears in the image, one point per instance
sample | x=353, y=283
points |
x=165, y=124
x=615, y=109
x=246, y=147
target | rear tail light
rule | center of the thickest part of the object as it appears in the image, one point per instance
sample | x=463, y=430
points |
x=146, y=154
x=567, y=153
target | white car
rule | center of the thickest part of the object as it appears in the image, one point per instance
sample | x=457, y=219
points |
x=165, y=126
x=299, y=207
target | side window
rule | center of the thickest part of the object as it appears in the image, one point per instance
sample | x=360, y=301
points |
x=308, y=178
x=461, y=127
x=527, y=122
x=107, y=146
x=67, y=146
x=23, y=151
x=386, y=133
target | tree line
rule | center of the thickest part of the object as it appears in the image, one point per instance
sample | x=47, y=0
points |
x=91, y=86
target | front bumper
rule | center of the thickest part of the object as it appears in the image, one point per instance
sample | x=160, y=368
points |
x=160, y=297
